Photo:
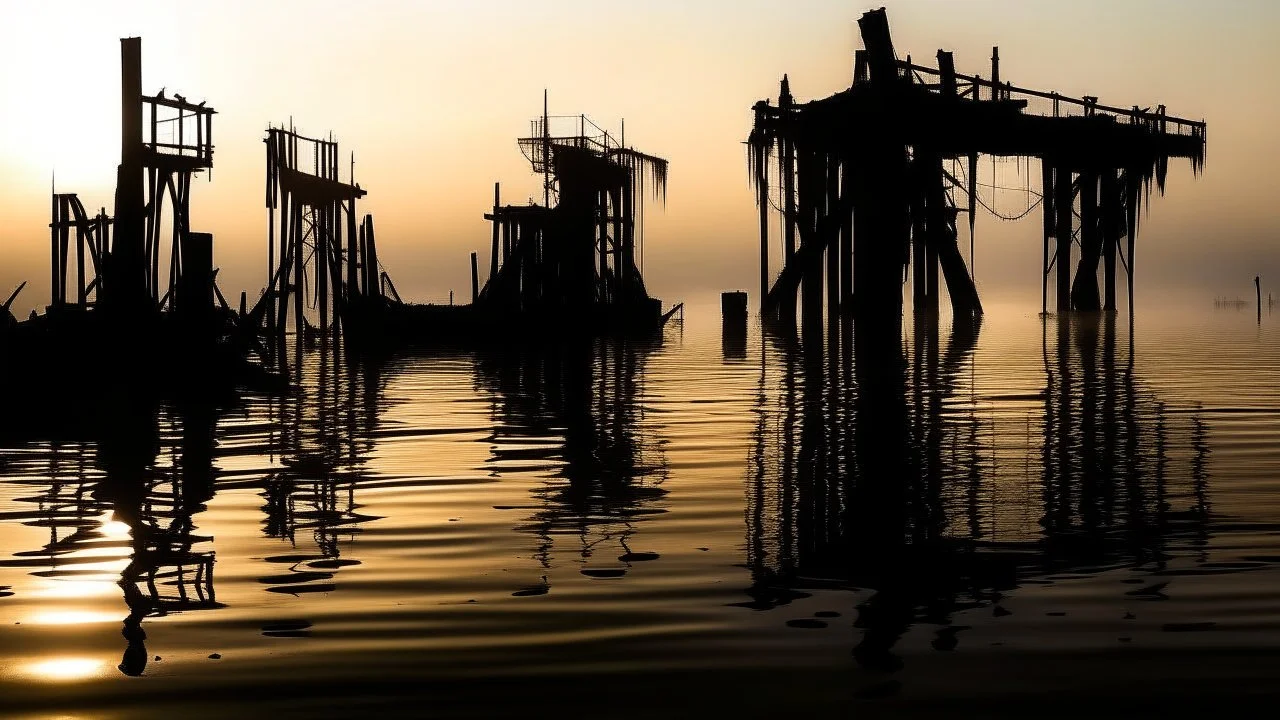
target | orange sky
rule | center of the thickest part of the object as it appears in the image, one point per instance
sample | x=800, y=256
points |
x=431, y=96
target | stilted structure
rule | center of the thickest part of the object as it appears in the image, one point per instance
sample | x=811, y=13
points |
x=318, y=252
x=575, y=260
x=165, y=141
x=567, y=266
x=146, y=327
x=871, y=178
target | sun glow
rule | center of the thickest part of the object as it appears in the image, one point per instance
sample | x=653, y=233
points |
x=65, y=669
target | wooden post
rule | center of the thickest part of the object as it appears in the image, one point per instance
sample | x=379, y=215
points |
x=762, y=186
x=811, y=289
x=1046, y=198
x=55, y=221
x=602, y=232
x=1111, y=218
x=364, y=263
x=128, y=267
x=320, y=235
x=80, y=252
x=1063, y=202
x=374, y=275
x=1084, y=291
x=947, y=73
x=493, y=256
x=295, y=241
x=846, y=235
x=830, y=230
x=788, y=172
x=919, y=253
x=475, y=279
x=352, y=287
x=272, y=201
x=995, y=73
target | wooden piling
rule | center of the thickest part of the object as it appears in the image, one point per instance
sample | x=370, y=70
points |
x=762, y=185
x=493, y=254
x=1111, y=218
x=830, y=229
x=1063, y=203
x=1047, y=195
x=1084, y=290
x=475, y=279
x=296, y=252
x=846, y=236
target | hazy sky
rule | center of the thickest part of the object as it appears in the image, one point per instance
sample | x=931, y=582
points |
x=431, y=96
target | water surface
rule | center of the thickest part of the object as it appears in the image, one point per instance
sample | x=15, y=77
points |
x=682, y=508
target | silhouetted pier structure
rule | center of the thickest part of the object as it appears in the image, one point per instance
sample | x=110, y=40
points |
x=567, y=266
x=165, y=142
x=575, y=261
x=141, y=308
x=322, y=251
x=872, y=181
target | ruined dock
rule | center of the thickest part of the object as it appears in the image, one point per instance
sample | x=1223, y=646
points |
x=134, y=312
x=567, y=266
x=870, y=182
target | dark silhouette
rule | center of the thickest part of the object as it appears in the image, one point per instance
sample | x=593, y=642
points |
x=886, y=482
x=132, y=330
x=872, y=172
x=612, y=474
x=323, y=433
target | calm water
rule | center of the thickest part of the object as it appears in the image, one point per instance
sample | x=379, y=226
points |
x=1022, y=489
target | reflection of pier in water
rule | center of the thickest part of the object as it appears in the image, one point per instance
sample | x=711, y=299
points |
x=610, y=476
x=322, y=433
x=128, y=496
x=938, y=502
x=135, y=494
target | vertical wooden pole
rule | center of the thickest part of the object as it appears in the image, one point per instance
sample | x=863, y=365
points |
x=55, y=220
x=995, y=73
x=64, y=243
x=788, y=199
x=374, y=275
x=602, y=232
x=919, y=252
x=475, y=279
x=493, y=255
x=353, y=287
x=1084, y=291
x=80, y=252
x=762, y=199
x=364, y=263
x=295, y=242
x=1050, y=222
x=1063, y=202
x=831, y=236
x=128, y=262
x=272, y=201
x=846, y=235
x=1132, y=188
x=812, y=172
x=320, y=236
x=1111, y=218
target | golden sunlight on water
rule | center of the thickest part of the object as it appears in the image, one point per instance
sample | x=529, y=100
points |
x=693, y=503
x=63, y=669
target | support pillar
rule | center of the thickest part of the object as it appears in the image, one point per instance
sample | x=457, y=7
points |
x=1112, y=218
x=1063, y=202
x=1084, y=291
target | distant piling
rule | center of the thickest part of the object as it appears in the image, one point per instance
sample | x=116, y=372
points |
x=733, y=311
